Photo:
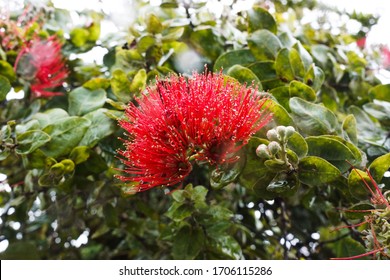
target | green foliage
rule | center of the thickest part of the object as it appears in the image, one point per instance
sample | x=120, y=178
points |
x=328, y=110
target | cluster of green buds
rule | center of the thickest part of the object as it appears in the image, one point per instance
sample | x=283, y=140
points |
x=279, y=159
x=277, y=146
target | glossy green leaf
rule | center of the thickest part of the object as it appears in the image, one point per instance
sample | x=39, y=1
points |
x=100, y=126
x=31, y=140
x=297, y=63
x=227, y=247
x=50, y=116
x=313, y=119
x=379, y=109
x=7, y=71
x=298, y=89
x=145, y=42
x=173, y=34
x=5, y=87
x=353, y=212
x=80, y=154
x=357, y=186
x=221, y=177
x=333, y=150
x=259, y=18
x=320, y=54
x=228, y=59
x=97, y=83
x=316, y=171
x=65, y=135
x=314, y=77
x=380, y=92
x=264, y=45
x=111, y=216
x=79, y=36
x=282, y=95
x=138, y=83
x=279, y=115
x=153, y=24
x=244, y=76
x=305, y=56
x=82, y=101
x=298, y=144
x=184, y=250
x=283, y=66
x=350, y=129
x=379, y=166
x=179, y=212
x=120, y=86
x=348, y=247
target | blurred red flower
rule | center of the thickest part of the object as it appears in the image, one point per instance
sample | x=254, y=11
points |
x=41, y=63
x=206, y=118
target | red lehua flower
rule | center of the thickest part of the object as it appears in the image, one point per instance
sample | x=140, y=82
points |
x=41, y=62
x=206, y=118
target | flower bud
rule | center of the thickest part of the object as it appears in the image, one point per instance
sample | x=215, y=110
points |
x=274, y=148
x=281, y=130
x=272, y=135
x=289, y=131
x=262, y=151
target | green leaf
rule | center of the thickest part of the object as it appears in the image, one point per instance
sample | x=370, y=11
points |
x=379, y=110
x=283, y=66
x=355, y=214
x=30, y=141
x=369, y=130
x=265, y=71
x=380, y=92
x=153, y=24
x=316, y=171
x=313, y=119
x=379, y=166
x=307, y=60
x=320, y=53
x=221, y=177
x=100, y=126
x=244, y=76
x=298, y=89
x=5, y=87
x=357, y=186
x=97, y=83
x=259, y=18
x=348, y=247
x=279, y=115
x=82, y=100
x=207, y=43
x=298, y=144
x=188, y=242
x=179, y=212
x=120, y=86
x=65, y=135
x=173, y=34
x=227, y=247
x=349, y=129
x=333, y=151
x=314, y=77
x=264, y=45
x=198, y=194
x=145, y=42
x=80, y=154
x=79, y=36
x=50, y=116
x=228, y=59
x=7, y=71
x=138, y=83
x=297, y=63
